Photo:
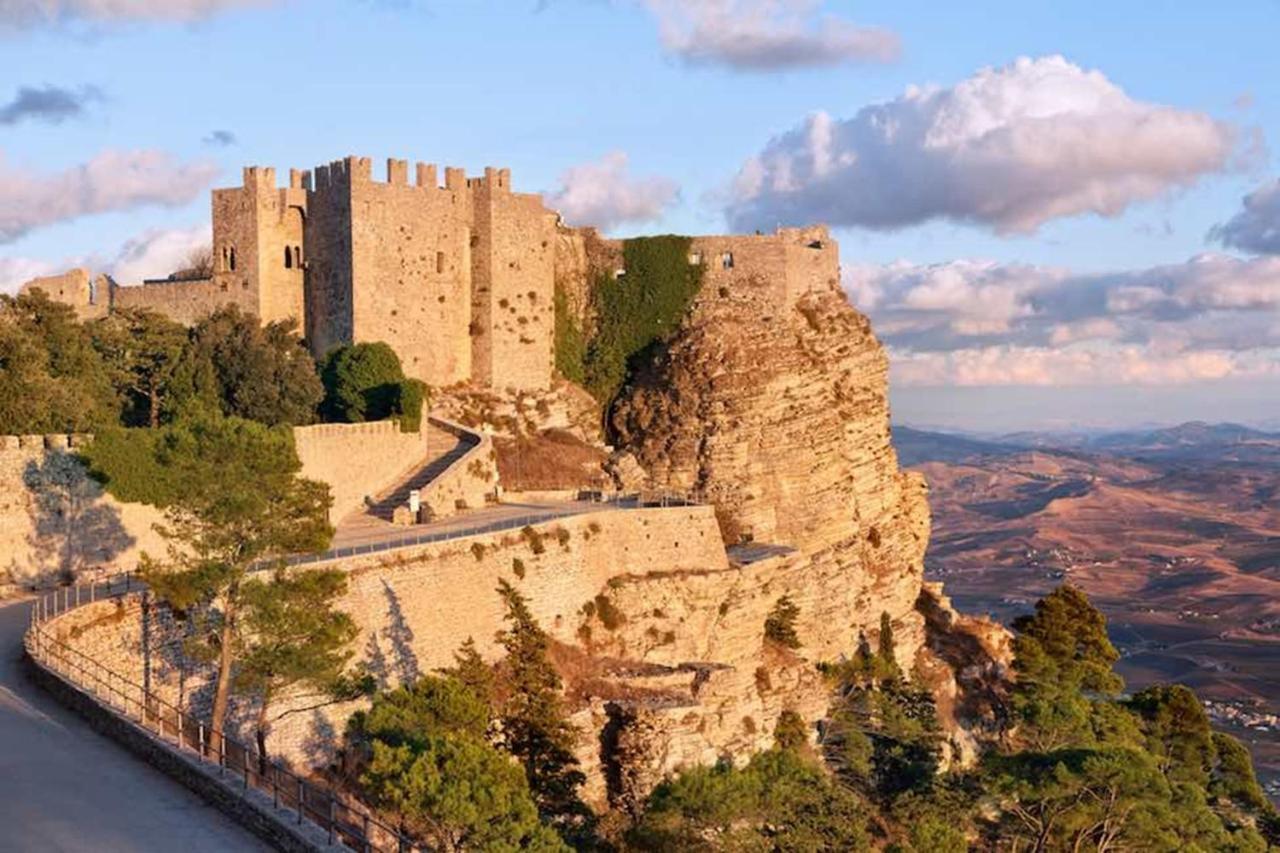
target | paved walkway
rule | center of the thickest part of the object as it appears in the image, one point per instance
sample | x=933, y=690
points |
x=64, y=787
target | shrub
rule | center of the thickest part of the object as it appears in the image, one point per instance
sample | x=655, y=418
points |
x=610, y=616
x=780, y=625
x=534, y=538
x=517, y=567
x=409, y=398
x=477, y=550
x=363, y=382
x=562, y=536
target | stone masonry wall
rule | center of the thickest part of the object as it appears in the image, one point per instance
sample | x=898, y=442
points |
x=514, y=286
x=185, y=302
x=357, y=460
x=56, y=522
x=411, y=271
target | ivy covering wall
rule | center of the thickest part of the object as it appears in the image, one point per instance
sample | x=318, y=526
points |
x=634, y=311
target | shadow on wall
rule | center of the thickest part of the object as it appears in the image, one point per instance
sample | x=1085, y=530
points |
x=73, y=526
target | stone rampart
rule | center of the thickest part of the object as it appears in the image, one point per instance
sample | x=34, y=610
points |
x=56, y=522
x=186, y=302
x=358, y=460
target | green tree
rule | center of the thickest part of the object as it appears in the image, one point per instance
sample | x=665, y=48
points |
x=471, y=670
x=791, y=733
x=142, y=350
x=290, y=634
x=778, y=802
x=51, y=377
x=239, y=368
x=780, y=624
x=360, y=382
x=232, y=502
x=1177, y=732
x=1062, y=657
x=423, y=757
x=534, y=726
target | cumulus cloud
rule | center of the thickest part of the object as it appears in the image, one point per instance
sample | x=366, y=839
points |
x=50, y=104
x=1009, y=148
x=22, y=14
x=111, y=181
x=983, y=323
x=604, y=194
x=153, y=254
x=765, y=35
x=1256, y=228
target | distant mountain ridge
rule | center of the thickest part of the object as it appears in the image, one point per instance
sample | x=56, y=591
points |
x=1191, y=441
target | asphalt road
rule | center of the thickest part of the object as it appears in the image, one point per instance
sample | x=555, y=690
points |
x=64, y=787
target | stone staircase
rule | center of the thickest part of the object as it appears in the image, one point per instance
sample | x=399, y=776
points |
x=385, y=505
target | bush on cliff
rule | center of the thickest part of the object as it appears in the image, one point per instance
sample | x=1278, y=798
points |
x=639, y=309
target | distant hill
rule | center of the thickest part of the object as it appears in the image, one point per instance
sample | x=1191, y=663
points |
x=1192, y=441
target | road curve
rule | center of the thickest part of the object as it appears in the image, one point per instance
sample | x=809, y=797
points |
x=64, y=787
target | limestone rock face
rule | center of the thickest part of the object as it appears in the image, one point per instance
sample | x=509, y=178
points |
x=780, y=418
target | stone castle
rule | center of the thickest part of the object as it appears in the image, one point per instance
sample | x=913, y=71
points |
x=459, y=279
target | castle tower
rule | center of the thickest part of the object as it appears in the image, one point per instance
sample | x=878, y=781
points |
x=513, y=285
x=258, y=248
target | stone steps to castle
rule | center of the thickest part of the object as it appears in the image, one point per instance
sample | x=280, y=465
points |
x=386, y=505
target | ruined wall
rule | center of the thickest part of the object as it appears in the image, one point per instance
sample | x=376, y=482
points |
x=514, y=285
x=411, y=270
x=787, y=264
x=358, y=460
x=90, y=297
x=56, y=522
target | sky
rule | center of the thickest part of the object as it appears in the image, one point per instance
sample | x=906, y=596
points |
x=1056, y=215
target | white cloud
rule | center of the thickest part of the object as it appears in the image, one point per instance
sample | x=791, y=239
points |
x=1010, y=148
x=604, y=194
x=111, y=181
x=1256, y=228
x=1079, y=365
x=763, y=35
x=982, y=323
x=153, y=254
x=157, y=252
x=20, y=14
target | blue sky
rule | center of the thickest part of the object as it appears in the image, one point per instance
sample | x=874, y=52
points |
x=545, y=88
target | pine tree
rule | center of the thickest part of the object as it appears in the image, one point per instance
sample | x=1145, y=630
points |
x=535, y=728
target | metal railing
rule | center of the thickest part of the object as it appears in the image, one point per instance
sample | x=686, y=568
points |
x=295, y=798
x=618, y=501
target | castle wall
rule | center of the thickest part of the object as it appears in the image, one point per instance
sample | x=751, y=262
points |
x=56, y=522
x=186, y=302
x=357, y=460
x=411, y=272
x=788, y=264
x=513, y=297
x=89, y=297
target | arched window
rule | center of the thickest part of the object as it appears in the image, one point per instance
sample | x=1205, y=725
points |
x=288, y=257
x=439, y=262
x=297, y=256
x=231, y=254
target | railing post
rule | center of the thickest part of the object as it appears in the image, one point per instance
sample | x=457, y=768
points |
x=301, y=800
x=332, y=819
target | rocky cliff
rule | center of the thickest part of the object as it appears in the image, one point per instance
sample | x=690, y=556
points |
x=779, y=418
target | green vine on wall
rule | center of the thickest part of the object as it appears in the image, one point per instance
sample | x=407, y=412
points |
x=634, y=311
